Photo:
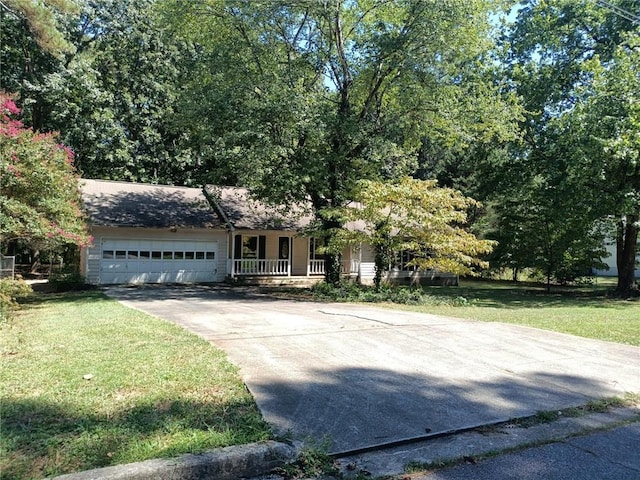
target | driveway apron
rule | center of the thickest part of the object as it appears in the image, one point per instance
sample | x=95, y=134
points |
x=354, y=377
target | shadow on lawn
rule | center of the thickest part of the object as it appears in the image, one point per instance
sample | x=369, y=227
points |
x=508, y=295
x=200, y=292
x=348, y=408
x=45, y=438
x=481, y=293
x=51, y=298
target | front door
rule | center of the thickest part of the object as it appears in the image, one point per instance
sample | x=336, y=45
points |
x=284, y=248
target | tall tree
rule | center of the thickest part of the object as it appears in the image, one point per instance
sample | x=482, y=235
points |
x=114, y=97
x=552, y=48
x=40, y=17
x=303, y=99
x=39, y=190
x=115, y=100
x=605, y=129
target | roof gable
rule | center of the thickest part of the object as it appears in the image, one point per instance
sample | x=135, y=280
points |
x=244, y=212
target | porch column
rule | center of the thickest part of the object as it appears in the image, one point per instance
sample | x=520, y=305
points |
x=308, y=258
x=232, y=270
x=290, y=257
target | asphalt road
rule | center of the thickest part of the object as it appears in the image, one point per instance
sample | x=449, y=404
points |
x=610, y=455
x=356, y=376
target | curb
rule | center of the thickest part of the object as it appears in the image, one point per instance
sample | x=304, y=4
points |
x=482, y=441
x=227, y=463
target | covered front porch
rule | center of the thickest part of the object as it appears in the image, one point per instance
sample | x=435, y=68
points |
x=268, y=254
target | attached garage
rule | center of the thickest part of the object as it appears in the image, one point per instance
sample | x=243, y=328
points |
x=158, y=261
x=151, y=234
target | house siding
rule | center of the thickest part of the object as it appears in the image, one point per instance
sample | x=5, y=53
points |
x=367, y=264
x=300, y=256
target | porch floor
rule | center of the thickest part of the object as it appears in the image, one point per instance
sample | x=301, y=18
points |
x=276, y=281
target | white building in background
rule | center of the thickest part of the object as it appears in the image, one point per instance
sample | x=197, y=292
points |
x=611, y=261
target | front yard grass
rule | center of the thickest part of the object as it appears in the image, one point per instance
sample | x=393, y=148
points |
x=87, y=382
x=586, y=311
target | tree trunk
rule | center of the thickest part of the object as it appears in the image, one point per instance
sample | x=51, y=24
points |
x=332, y=269
x=35, y=262
x=332, y=262
x=626, y=247
x=380, y=267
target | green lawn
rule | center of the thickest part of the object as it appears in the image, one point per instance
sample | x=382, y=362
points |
x=587, y=311
x=87, y=383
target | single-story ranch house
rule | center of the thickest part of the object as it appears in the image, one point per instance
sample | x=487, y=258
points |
x=162, y=234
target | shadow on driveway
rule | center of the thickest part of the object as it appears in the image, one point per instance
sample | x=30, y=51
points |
x=354, y=376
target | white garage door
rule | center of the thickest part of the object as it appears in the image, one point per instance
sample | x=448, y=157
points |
x=157, y=261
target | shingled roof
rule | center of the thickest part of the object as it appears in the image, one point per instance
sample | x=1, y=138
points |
x=246, y=213
x=126, y=204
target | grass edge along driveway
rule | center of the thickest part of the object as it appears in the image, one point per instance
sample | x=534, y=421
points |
x=586, y=311
x=89, y=383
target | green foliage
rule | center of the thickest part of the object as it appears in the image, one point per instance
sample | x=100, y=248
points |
x=115, y=99
x=605, y=127
x=10, y=292
x=419, y=217
x=41, y=20
x=310, y=463
x=39, y=191
x=575, y=67
x=353, y=292
x=544, y=231
x=303, y=99
x=67, y=281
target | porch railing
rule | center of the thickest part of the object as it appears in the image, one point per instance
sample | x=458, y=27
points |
x=261, y=267
x=350, y=267
x=316, y=267
x=283, y=267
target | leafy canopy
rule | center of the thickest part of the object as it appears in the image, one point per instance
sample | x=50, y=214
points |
x=301, y=100
x=574, y=64
x=39, y=190
x=418, y=217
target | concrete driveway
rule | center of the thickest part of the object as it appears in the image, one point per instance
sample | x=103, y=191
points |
x=358, y=376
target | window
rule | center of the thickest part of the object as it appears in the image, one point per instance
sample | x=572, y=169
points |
x=107, y=254
x=132, y=254
x=167, y=255
x=121, y=254
x=178, y=255
x=249, y=246
x=316, y=244
x=145, y=255
x=189, y=255
x=156, y=255
x=403, y=259
x=199, y=255
x=211, y=255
